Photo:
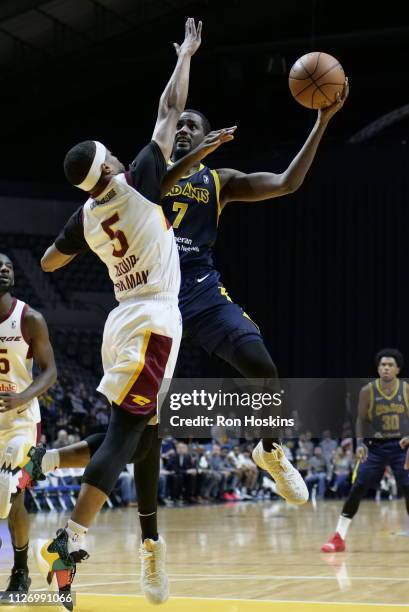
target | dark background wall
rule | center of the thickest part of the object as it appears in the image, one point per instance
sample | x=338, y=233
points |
x=323, y=271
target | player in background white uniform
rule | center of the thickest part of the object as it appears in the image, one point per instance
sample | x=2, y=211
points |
x=123, y=223
x=23, y=339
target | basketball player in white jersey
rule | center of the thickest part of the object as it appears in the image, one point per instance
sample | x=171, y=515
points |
x=123, y=223
x=23, y=339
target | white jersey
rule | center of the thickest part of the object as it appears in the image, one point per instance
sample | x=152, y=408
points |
x=131, y=236
x=16, y=366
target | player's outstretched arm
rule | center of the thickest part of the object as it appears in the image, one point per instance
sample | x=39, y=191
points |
x=69, y=243
x=173, y=99
x=237, y=186
x=43, y=355
x=53, y=259
x=212, y=142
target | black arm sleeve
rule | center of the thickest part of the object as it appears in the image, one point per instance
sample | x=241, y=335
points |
x=147, y=171
x=71, y=238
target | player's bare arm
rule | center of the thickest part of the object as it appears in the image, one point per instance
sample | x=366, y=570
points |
x=53, y=259
x=173, y=99
x=43, y=355
x=237, y=186
x=404, y=442
x=211, y=142
x=362, y=421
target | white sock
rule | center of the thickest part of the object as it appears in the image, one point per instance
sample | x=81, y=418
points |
x=76, y=535
x=343, y=526
x=50, y=461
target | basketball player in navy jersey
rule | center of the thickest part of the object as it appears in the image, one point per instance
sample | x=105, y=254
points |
x=193, y=206
x=382, y=430
x=23, y=339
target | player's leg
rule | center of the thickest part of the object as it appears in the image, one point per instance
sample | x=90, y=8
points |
x=249, y=356
x=397, y=458
x=154, y=581
x=370, y=472
x=19, y=527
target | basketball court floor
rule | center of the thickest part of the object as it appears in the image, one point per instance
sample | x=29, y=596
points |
x=243, y=557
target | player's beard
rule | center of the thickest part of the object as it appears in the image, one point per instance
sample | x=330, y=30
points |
x=179, y=153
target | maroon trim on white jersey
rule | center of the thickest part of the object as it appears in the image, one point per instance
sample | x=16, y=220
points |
x=10, y=312
x=23, y=324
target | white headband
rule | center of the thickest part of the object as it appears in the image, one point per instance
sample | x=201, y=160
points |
x=94, y=173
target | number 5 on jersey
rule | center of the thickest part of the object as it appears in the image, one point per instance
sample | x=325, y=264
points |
x=4, y=363
x=115, y=235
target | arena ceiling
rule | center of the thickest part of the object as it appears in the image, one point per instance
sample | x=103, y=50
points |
x=67, y=64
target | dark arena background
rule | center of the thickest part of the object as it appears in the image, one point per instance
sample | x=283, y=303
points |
x=323, y=272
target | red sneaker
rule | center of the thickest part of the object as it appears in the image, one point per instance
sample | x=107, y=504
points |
x=335, y=544
x=227, y=497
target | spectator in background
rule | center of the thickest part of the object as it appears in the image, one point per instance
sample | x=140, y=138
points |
x=126, y=483
x=318, y=472
x=207, y=480
x=62, y=439
x=328, y=446
x=305, y=444
x=342, y=466
x=220, y=466
x=182, y=474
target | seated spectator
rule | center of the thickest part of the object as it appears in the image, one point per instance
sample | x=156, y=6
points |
x=62, y=439
x=342, y=466
x=328, y=446
x=317, y=472
x=182, y=474
x=207, y=480
x=226, y=474
x=126, y=483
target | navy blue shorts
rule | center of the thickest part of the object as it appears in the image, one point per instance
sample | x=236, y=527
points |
x=210, y=318
x=382, y=453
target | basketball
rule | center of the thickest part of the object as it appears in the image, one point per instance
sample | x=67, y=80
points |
x=315, y=80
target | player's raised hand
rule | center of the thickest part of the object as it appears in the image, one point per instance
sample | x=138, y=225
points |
x=193, y=38
x=214, y=139
x=325, y=114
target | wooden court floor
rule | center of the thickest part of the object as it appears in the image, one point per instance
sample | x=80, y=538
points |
x=244, y=557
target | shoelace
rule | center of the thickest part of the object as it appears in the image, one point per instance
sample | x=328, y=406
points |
x=150, y=559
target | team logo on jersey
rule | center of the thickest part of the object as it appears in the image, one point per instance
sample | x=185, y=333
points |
x=111, y=194
x=206, y=179
x=140, y=400
x=10, y=338
x=7, y=387
x=200, y=194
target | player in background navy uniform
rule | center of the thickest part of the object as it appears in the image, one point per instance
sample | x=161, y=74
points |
x=23, y=339
x=210, y=318
x=382, y=430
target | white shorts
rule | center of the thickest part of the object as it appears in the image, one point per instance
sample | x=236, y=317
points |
x=17, y=441
x=139, y=351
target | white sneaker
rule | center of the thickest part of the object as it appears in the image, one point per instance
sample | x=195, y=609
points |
x=8, y=486
x=154, y=581
x=290, y=483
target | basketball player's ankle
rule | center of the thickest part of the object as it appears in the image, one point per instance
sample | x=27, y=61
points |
x=50, y=461
x=76, y=535
x=20, y=557
x=343, y=526
x=149, y=526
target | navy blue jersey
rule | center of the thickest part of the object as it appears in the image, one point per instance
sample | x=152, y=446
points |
x=389, y=414
x=193, y=209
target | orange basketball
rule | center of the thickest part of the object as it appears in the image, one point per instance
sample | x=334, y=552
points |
x=315, y=79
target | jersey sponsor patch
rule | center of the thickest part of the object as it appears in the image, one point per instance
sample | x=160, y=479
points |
x=7, y=387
